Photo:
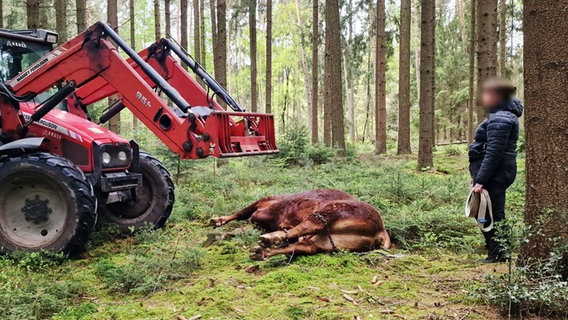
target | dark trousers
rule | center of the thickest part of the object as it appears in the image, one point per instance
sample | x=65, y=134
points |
x=496, y=240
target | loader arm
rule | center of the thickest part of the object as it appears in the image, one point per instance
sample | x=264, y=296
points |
x=236, y=133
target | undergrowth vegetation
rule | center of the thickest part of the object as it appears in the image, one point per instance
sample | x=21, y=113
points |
x=190, y=269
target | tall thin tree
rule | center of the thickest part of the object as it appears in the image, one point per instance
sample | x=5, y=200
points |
x=472, y=76
x=546, y=124
x=486, y=44
x=220, y=49
x=404, y=80
x=168, y=17
x=81, y=9
x=61, y=19
x=112, y=18
x=183, y=24
x=380, y=81
x=197, y=30
x=427, y=83
x=253, y=61
x=502, y=37
x=1, y=14
x=333, y=74
x=315, y=70
x=268, y=75
x=157, y=20
x=203, y=47
x=33, y=13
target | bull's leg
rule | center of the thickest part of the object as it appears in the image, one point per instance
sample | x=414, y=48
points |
x=309, y=227
x=243, y=214
x=305, y=247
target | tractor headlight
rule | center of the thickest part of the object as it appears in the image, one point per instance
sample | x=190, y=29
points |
x=51, y=37
x=106, y=158
x=116, y=156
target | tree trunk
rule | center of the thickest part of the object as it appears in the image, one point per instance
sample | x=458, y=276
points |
x=45, y=14
x=472, y=96
x=486, y=45
x=305, y=67
x=132, y=16
x=268, y=108
x=416, y=32
x=203, y=47
x=427, y=83
x=315, y=70
x=1, y=15
x=348, y=66
x=404, y=80
x=213, y=16
x=220, y=49
x=183, y=21
x=168, y=17
x=546, y=123
x=333, y=74
x=502, y=37
x=33, y=14
x=253, y=62
x=197, y=30
x=112, y=18
x=157, y=20
x=81, y=8
x=460, y=4
x=380, y=82
x=61, y=19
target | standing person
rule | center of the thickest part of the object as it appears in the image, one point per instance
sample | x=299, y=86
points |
x=493, y=157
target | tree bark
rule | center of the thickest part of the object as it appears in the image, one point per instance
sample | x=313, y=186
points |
x=304, y=61
x=33, y=13
x=1, y=15
x=546, y=122
x=157, y=20
x=404, y=80
x=333, y=75
x=380, y=82
x=315, y=70
x=112, y=18
x=427, y=83
x=168, y=17
x=61, y=20
x=203, y=47
x=268, y=108
x=253, y=61
x=183, y=24
x=472, y=96
x=416, y=32
x=502, y=37
x=81, y=8
x=486, y=45
x=221, y=43
x=197, y=30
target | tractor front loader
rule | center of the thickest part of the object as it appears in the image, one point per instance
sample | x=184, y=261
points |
x=57, y=166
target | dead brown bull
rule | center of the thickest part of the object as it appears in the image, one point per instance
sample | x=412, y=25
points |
x=313, y=221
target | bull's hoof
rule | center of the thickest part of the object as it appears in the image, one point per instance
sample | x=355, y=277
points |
x=258, y=254
x=217, y=222
x=271, y=239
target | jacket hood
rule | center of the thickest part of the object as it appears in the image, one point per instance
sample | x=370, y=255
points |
x=515, y=106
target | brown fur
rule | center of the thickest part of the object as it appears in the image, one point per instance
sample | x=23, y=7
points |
x=304, y=219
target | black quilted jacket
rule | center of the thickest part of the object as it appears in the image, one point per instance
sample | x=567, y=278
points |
x=493, y=153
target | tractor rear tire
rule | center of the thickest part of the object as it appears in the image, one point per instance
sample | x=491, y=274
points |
x=154, y=199
x=46, y=203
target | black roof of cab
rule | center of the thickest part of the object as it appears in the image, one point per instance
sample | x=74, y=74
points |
x=37, y=35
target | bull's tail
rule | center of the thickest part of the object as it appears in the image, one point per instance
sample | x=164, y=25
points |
x=385, y=239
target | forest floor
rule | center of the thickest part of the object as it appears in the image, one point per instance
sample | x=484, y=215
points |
x=188, y=269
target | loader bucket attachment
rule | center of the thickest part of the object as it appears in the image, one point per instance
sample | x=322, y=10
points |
x=241, y=134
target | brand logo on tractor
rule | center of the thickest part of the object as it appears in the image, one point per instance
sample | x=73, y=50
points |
x=16, y=44
x=34, y=67
x=143, y=99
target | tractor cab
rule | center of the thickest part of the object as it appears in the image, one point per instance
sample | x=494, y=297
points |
x=21, y=48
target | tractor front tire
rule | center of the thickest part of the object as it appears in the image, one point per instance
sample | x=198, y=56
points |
x=153, y=203
x=46, y=203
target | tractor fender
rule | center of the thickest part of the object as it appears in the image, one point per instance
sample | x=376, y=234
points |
x=21, y=146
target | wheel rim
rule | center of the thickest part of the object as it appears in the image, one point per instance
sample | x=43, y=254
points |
x=33, y=210
x=138, y=208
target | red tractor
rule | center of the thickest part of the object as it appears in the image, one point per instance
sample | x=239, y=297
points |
x=59, y=169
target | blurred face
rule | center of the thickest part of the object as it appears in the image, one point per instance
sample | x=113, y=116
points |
x=489, y=99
